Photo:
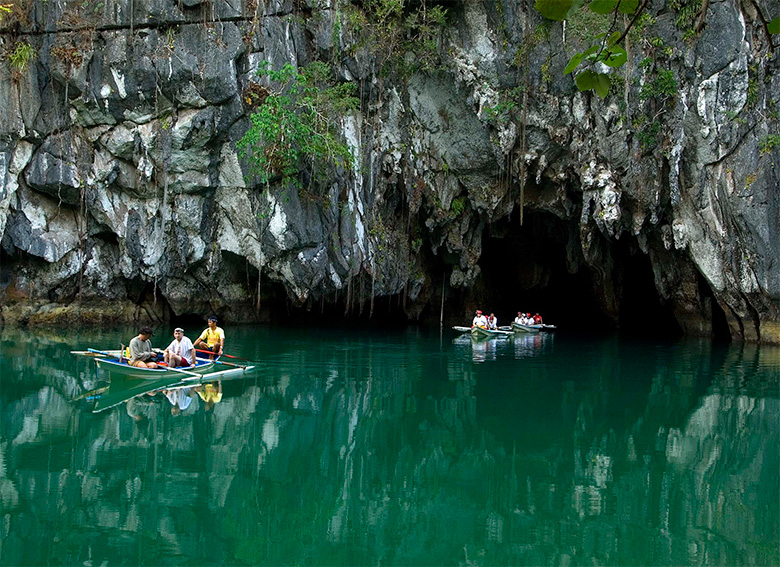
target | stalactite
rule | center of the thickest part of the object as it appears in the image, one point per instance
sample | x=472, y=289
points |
x=259, y=279
x=373, y=284
x=349, y=296
x=524, y=119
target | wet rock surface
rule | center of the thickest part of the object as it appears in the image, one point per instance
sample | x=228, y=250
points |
x=120, y=180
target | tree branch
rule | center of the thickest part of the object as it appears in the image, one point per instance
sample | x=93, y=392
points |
x=765, y=25
x=638, y=13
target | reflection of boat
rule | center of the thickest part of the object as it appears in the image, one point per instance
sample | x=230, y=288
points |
x=124, y=388
x=530, y=344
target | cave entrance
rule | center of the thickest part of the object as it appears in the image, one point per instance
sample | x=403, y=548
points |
x=526, y=268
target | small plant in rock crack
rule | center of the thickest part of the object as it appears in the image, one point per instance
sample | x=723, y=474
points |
x=21, y=57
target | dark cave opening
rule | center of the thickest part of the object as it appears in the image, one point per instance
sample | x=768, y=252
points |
x=525, y=268
x=720, y=326
x=642, y=311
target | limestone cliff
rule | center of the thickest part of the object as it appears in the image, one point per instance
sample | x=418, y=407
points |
x=121, y=180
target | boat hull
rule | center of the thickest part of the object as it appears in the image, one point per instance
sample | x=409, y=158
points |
x=480, y=333
x=115, y=367
x=518, y=328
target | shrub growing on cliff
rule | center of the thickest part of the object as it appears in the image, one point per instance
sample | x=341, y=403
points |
x=295, y=125
x=21, y=57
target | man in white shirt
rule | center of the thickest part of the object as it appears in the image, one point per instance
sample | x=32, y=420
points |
x=492, y=322
x=180, y=352
x=479, y=320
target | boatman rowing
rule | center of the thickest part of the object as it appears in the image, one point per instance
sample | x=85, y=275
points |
x=213, y=338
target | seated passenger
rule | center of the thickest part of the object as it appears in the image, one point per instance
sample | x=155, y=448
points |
x=141, y=355
x=180, y=352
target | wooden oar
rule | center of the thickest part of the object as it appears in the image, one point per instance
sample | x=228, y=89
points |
x=90, y=353
x=223, y=354
x=100, y=352
x=226, y=363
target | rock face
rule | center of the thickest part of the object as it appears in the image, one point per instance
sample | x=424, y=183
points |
x=121, y=184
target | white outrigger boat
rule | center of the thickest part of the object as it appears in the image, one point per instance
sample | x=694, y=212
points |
x=134, y=381
x=519, y=328
x=112, y=361
x=482, y=333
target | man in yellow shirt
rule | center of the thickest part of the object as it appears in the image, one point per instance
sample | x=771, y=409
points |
x=212, y=338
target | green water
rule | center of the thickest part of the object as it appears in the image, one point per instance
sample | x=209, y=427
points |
x=361, y=447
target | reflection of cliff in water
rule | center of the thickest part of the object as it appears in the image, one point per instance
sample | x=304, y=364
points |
x=344, y=457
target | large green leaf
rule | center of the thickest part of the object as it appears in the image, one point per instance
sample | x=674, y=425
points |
x=602, y=85
x=774, y=26
x=554, y=9
x=575, y=5
x=586, y=81
x=592, y=81
x=628, y=6
x=573, y=62
x=603, y=6
x=614, y=56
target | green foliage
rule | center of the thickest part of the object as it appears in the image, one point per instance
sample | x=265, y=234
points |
x=589, y=80
x=5, y=9
x=663, y=86
x=296, y=123
x=687, y=14
x=422, y=30
x=774, y=25
x=641, y=24
x=732, y=115
x=21, y=57
x=583, y=25
x=752, y=90
x=457, y=207
x=647, y=134
x=545, y=71
x=509, y=100
x=401, y=41
x=646, y=64
x=769, y=143
x=554, y=9
x=605, y=50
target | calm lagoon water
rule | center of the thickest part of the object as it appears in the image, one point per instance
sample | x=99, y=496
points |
x=362, y=447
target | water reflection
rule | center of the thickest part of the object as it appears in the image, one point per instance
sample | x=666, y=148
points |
x=518, y=345
x=398, y=449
